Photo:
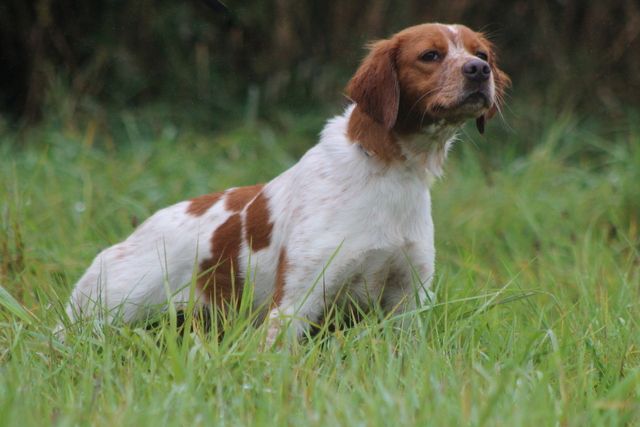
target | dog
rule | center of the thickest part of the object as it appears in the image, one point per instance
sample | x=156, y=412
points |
x=352, y=217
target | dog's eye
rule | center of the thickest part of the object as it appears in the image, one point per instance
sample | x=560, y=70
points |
x=482, y=55
x=430, y=56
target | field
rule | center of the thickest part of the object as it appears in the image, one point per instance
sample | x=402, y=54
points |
x=538, y=282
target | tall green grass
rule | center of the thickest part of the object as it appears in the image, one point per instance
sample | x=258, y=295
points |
x=538, y=284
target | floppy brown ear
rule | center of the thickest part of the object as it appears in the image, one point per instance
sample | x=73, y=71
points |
x=375, y=87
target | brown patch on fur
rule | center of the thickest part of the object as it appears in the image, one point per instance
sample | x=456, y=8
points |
x=258, y=225
x=283, y=266
x=374, y=86
x=423, y=84
x=221, y=281
x=373, y=137
x=472, y=41
x=200, y=205
x=237, y=198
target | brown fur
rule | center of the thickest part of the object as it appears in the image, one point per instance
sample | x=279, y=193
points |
x=221, y=281
x=200, y=205
x=422, y=83
x=258, y=225
x=375, y=87
x=237, y=198
x=281, y=272
x=373, y=137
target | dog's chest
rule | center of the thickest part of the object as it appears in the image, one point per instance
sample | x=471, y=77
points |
x=390, y=213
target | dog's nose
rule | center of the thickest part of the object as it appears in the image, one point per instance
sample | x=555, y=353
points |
x=476, y=70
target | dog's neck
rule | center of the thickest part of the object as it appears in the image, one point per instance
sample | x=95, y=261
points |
x=372, y=136
x=425, y=149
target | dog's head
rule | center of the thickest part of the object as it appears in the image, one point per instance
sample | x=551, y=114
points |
x=426, y=74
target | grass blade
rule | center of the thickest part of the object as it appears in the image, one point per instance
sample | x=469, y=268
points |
x=14, y=307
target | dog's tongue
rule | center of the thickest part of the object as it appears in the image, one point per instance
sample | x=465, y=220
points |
x=480, y=124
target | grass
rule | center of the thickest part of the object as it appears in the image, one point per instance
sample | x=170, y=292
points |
x=538, y=284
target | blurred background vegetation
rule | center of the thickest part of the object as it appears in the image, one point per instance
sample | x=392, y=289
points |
x=210, y=63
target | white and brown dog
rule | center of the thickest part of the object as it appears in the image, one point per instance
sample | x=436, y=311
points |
x=353, y=214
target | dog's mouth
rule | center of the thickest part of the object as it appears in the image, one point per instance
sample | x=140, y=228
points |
x=478, y=99
x=469, y=105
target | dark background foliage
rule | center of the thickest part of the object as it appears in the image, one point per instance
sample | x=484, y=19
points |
x=215, y=59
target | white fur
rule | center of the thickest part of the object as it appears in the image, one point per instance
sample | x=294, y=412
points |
x=348, y=221
x=458, y=53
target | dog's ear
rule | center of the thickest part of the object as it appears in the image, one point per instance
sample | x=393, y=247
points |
x=502, y=82
x=375, y=87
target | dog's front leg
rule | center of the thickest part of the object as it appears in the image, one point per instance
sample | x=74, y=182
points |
x=408, y=285
x=304, y=291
